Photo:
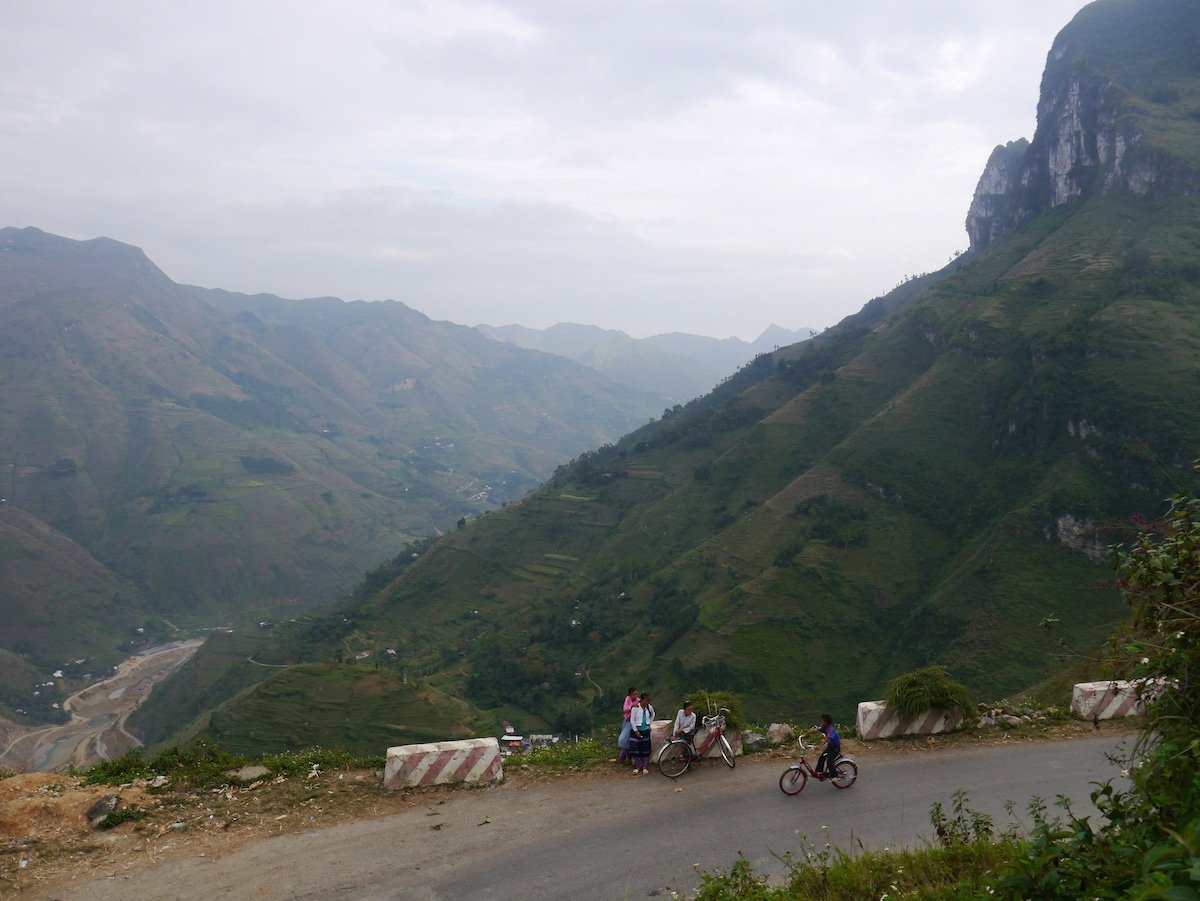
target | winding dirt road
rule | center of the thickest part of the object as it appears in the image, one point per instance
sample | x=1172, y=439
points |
x=96, y=730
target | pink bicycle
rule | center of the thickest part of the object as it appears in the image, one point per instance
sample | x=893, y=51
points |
x=795, y=777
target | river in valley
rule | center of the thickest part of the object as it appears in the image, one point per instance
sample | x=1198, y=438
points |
x=96, y=730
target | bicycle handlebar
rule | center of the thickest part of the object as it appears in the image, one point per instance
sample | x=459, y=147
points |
x=806, y=747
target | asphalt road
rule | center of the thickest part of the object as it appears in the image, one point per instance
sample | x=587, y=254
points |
x=621, y=837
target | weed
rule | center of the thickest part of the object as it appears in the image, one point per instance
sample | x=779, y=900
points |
x=587, y=752
x=124, y=815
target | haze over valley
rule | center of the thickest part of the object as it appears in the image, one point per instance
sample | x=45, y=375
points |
x=391, y=527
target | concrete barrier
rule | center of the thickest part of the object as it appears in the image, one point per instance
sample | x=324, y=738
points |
x=441, y=762
x=1105, y=700
x=660, y=734
x=876, y=721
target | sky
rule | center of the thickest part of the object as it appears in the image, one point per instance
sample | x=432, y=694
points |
x=649, y=166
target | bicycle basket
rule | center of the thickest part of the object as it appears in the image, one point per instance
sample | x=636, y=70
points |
x=714, y=722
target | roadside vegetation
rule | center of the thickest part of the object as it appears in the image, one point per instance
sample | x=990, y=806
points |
x=204, y=765
x=1148, y=844
x=912, y=694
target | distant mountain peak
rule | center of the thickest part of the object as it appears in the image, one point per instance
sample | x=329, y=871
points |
x=777, y=336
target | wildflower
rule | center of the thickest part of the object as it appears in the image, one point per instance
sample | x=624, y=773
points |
x=1145, y=660
x=1125, y=774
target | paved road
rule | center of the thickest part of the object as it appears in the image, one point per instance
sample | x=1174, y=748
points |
x=619, y=837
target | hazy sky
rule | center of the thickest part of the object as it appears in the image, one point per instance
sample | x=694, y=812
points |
x=651, y=166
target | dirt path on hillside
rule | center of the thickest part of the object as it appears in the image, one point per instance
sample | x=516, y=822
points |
x=99, y=714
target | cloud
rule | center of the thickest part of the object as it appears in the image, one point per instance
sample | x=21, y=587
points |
x=680, y=165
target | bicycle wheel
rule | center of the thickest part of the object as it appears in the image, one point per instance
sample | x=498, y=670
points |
x=674, y=759
x=726, y=750
x=845, y=774
x=792, y=781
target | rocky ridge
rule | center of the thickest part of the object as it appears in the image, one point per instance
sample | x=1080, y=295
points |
x=1095, y=133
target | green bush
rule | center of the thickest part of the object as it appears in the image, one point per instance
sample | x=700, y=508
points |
x=930, y=688
x=708, y=703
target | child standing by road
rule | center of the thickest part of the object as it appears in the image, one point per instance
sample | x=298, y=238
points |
x=640, y=718
x=631, y=699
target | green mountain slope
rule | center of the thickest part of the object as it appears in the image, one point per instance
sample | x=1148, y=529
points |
x=926, y=482
x=172, y=457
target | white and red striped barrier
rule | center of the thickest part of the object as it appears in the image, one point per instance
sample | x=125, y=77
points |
x=441, y=762
x=1105, y=700
x=876, y=721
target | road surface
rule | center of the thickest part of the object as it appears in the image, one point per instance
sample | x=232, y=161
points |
x=619, y=837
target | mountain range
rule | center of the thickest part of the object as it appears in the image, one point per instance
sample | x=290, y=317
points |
x=680, y=366
x=934, y=480
x=173, y=457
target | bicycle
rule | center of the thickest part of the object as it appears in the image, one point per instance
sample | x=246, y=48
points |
x=795, y=777
x=678, y=755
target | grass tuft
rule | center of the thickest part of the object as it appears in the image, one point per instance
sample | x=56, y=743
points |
x=587, y=752
x=912, y=694
x=124, y=815
x=202, y=765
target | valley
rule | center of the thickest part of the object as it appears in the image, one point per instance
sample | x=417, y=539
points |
x=99, y=714
x=937, y=479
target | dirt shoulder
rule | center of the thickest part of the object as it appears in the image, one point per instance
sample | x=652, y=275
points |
x=46, y=843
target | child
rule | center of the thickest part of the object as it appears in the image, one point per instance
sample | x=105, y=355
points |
x=640, y=718
x=631, y=699
x=833, y=747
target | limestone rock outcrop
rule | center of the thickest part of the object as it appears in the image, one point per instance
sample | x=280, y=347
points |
x=1102, y=126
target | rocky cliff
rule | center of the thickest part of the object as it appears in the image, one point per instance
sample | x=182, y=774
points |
x=1122, y=80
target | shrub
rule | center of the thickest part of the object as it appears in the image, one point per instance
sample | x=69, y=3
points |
x=930, y=688
x=709, y=702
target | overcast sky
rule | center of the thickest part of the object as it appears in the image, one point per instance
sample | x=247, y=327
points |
x=651, y=166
